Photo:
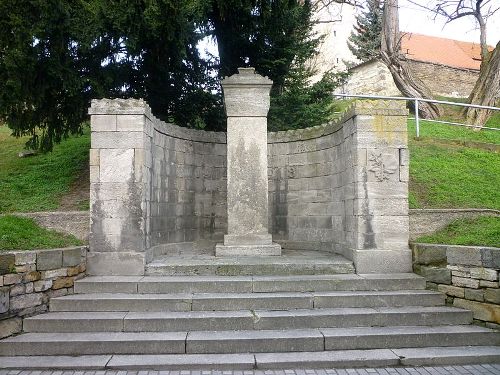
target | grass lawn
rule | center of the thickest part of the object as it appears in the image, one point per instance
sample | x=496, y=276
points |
x=483, y=231
x=19, y=233
x=451, y=175
x=37, y=183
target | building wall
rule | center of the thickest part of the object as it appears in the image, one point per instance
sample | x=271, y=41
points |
x=444, y=80
x=371, y=78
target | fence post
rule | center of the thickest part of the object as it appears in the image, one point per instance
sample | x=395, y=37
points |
x=417, y=118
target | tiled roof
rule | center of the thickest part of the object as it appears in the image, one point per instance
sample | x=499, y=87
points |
x=443, y=51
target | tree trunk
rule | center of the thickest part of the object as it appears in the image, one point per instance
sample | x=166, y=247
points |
x=403, y=77
x=486, y=90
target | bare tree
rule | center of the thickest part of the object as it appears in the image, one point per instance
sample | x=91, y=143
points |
x=487, y=88
x=396, y=62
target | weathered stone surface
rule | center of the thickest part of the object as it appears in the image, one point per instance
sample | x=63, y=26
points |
x=488, y=284
x=429, y=254
x=42, y=285
x=26, y=300
x=6, y=263
x=437, y=275
x=25, y=257
x=72, y=271
x=492, y=295
x=451, y=290
x=71, y=257
x=17, y=289
x=465, y=282
x=481, y=311
x=474, y=294
x=10, y=326
x=48, y=260
x=466, y=255
x=115, y=263
x=484, y=273
x=32, y=276
x=12, y=278
x=52, y=274
x=4, y=299
x=62, y=282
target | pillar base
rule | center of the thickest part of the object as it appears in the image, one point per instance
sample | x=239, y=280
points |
x=272, y=249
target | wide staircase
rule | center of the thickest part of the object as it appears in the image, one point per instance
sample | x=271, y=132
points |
x=249, y=313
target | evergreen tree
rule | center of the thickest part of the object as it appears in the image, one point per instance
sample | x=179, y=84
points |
x=60, y=54
x=364, y=41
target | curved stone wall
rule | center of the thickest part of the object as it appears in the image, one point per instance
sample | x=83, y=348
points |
x=340, y=187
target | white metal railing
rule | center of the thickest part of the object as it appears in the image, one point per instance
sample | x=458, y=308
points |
x=416, y=106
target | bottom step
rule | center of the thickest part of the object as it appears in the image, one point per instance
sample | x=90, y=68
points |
x=433, y=356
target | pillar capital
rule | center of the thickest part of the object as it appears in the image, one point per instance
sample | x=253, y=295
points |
x=246, y=94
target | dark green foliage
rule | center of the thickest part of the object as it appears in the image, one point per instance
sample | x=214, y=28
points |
x=364, y=41
x=56, y=55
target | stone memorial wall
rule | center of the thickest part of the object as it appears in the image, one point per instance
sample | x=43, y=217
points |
x=341, y=187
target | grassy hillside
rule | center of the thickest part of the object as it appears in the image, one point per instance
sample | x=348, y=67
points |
x=40, y=182
x=446, y=174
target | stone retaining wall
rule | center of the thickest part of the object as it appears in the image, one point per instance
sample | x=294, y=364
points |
x=28, y=279
x=468, y=275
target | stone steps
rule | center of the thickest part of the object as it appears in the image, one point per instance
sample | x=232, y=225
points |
x=244, y=320
x=248, y=322
x=248, y=284
x=327, y=359
x=238, y=301
x=254, y=341
x=291, y=263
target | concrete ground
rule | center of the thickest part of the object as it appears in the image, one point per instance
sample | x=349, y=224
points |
x=485, y=369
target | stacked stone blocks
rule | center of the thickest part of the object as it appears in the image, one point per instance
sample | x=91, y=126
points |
x=468, y=275
x=28, y=279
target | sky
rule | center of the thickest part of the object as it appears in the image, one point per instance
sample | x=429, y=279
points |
x=415, y=19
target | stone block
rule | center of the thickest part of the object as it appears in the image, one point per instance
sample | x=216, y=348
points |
x=42, y=285
x=7, y=262
x=488, y=284
x=26, y=300
x=465, y=282
x=52, y=274
x=25, y=268
x=490, y=257
x=1, y=280
x=25, y=257
x=9, y=327
x=17, y=289
x=429, y=254
x=117, y=140
x=492, y=295
x=94, y=157
x=4, y=299
x=115, y=263
x=103, y=123
x=465, y=255
x=451, y=290
x=130, y=122
x=484, y=274
x=32, y=276
x=71, y=257
x=12, y=278
x=73, y=271
x=481, y=311
x=94, y=173
x=117, y=165
x=29, y=287
x=62, y=282
x=437, y=275
x=474, y=294
x=48, y=260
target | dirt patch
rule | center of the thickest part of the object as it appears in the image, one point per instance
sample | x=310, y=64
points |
x=77, y=199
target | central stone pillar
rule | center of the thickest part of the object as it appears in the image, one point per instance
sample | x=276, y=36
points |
x=246, y=98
